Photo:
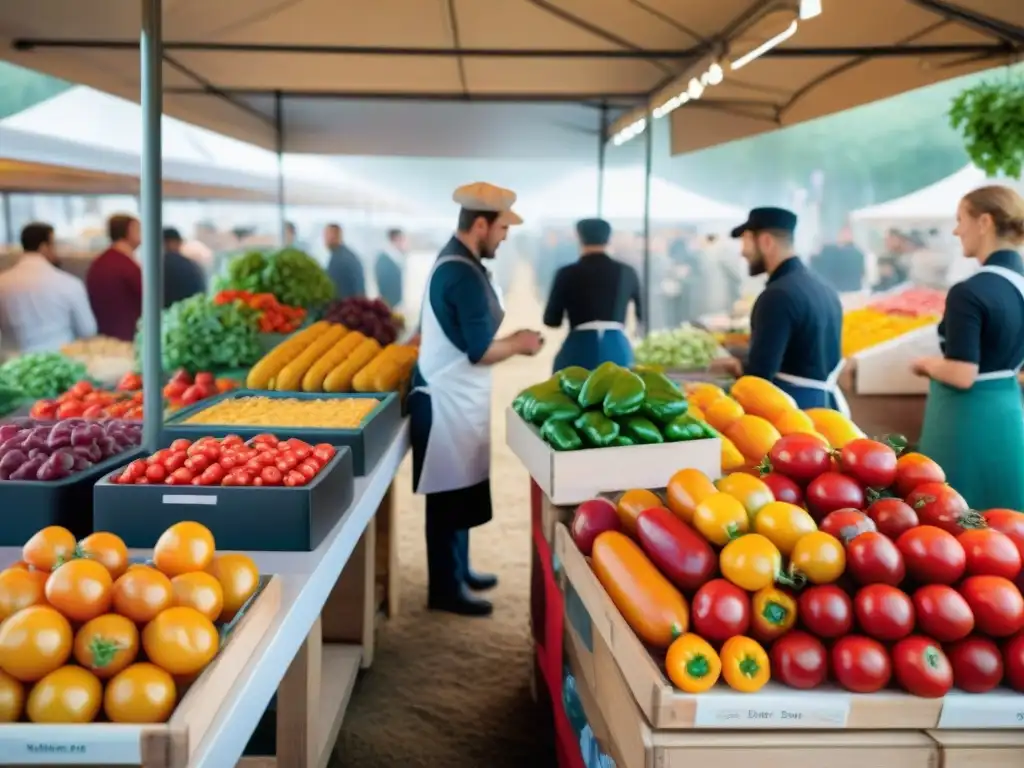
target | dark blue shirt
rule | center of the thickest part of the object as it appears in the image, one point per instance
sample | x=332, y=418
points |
x=389, y=279
x=795, y=326
x=182, y=278
x=346, y=272
x=597, y=287
x=984, y=319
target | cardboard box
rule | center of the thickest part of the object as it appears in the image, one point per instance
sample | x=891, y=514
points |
x=884, y=369
x=570, y=477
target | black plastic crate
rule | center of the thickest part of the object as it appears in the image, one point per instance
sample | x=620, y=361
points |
x=262, y=518
x=29, y=505
x=368, y=443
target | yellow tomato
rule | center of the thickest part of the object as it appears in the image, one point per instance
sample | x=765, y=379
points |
x=239, y=577
x=142, y=693
x=819, y=556
x=183, y=548
x=632, y=503
x=107, y=549
x=751, y=562
x=20, y=588
x=792, y=421
x=745, y=664
x=180, y=640
x=748, y=490
x=12, y=698
x=720, y=518
x=66, y=695
x=199, y=590
x=723, y=413
x=702, y=394
x=783, y=524
x=106, y=645
x=692, y=664
x=686, y=489
x=34, y=642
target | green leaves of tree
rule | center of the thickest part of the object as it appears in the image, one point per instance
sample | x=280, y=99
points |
x=990, y=117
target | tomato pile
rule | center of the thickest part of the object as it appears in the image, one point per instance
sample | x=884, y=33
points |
x=274, y=317
x=183, y=389
x=85, y=633
x=263, y=461
x=859, y=566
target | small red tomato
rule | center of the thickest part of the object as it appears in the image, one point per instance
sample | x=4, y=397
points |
x=212, y=475
x=180, y=444
x=799, y=457
x=914, y=469
x=784, y=489
x=720, y=610
x=308, y=469
x=1009, y=522
x=872, y=558
x=884, y=612
x=996, y=603
x=159, y=457
x=921, y=667
x=302, y=452
x=156, y=473
x=324, y=452
x=846, y=524
x=137, y=469
x=831, y=491
x=1013, y=661
x=228, y=461
x=825, y=611
x=271, y=476
x=197, y=463
x=990, y=553
x=229, y=440
x=977, y=664
x=175, y=461
x=940, y=505
x=869, y=462
x=942, y=613
x=294, y=478
x=264, y=439
x=860, y=664
x=182, y=476
x=239, y=476
x=892, y=517
x=287, y=462
x=799, y=660
x=932, y=555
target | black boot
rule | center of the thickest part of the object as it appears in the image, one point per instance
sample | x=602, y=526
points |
x=462, y=603
x=478, y=582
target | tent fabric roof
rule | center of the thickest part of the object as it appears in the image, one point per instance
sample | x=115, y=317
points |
x=936, y=202
x=226, y=59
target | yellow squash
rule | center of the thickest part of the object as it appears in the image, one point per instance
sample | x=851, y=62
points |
x=340, y=379
x=313, y=380
x=290, y=377
x=753, y=436
x=263, y=374
x=760, y=397
x=834, y=427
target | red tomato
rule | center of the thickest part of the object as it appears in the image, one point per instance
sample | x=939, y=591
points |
x=784, y=489
x=921, y=667
x=990, y=553
x=181, y=444
x=913, y=469
x=799, y=660
x=720, y=610
x=1009, y=522
x=1013, y=662
x=825, y=611
x=893, y=517
x=860, y=664
x=156, y=473
x=996, y=603
x=846, y=524
x=175, y=461
x=977, y=664
x=799, y=457
x=884, y=612
x=932, y=555
x=872, y=558
x=939, y=505
x=869, y=462
x=180, y=476
x=324, y=452
x=831, y=491
x=942, y=613
x=271, y=476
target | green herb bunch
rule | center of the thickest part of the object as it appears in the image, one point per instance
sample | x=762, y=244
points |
x=295, y=278
x=990, y=117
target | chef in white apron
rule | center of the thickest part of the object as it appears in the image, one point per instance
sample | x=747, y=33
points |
x=595, y=293
x=797, y=321
x=450, y=404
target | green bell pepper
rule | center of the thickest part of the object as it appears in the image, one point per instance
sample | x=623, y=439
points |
x=641, y=429
x=528, y=397
x=596, y=428
x=626, y=394
x=557, y=406
x=687, y=427
x=572, y=379
x=596, y=387
x=560, y=435
x=622, y=441
x=664, y=401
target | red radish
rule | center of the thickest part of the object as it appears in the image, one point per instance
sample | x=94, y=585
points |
x=593, y=517
x=784, y=489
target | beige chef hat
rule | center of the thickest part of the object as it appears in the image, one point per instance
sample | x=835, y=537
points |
x=481, y=196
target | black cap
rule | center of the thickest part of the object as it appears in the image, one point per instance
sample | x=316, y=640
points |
x=594, y=231
x=170, y=233
x=761, y=219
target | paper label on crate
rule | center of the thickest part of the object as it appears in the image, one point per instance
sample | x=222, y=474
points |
x=183, y=498
x=728, y=710
x=996, y=709
x=105, y=746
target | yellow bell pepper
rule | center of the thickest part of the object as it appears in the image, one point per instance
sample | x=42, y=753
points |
x=692, y=664
x=745, y=664
x=773, y=613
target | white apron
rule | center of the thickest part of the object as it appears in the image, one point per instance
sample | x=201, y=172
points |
x=600, y=326
x=458, y=452
x=829, y=385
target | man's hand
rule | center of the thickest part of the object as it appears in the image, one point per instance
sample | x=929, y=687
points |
x=728, y=365
x=528, y=342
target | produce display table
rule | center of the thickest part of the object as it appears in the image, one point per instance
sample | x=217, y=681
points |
x=310, y=651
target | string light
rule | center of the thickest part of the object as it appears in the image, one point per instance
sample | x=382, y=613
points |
x=631, y=131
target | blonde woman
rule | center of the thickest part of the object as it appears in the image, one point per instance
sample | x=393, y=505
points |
x=974, y=420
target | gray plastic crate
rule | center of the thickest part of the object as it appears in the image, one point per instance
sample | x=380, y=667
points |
x=368, y=443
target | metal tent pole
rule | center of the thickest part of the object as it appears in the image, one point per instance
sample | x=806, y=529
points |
x=602, y=142
x=648, y=158
x=279, y=139
x=151, y=61
x=9, y=237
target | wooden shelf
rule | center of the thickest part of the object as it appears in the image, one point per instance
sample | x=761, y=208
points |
x=339, y=668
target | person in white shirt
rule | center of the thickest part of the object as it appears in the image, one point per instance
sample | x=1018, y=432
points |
x=41, y=306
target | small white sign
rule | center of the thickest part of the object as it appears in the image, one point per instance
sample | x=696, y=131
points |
x=111, y=747
x=997, y=709
x=181, y=498
x=737, y=710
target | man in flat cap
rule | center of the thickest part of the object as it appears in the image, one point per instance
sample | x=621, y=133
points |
x=796, y=322
x=450, y=405
x=594, y=292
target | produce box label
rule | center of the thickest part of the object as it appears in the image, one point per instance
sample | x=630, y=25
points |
x=772, y=710
x=106, y=747
x=997, y=709
x=184, y=498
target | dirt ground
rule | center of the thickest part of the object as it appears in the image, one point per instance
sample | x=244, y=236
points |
x=452, y=692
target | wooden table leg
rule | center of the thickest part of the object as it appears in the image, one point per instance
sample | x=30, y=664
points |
x=387, y=553
x=298, y=702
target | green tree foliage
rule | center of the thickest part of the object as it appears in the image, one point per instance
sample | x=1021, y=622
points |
x=22, y=88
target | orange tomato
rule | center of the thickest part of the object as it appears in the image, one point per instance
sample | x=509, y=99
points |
x=12, y=698
x=80, y=589
x=632, y=503
x=180, y=640
x=792, y=421
x=183, y=548
x=141, y=593
x=721, y=518
x=20, y=588
x=239, y=577
x=49, y=546
x=753, y=437
x=686, y=489
x=108, y=550
x=702, y=394
x=142, y=693
x=199, y=590
x=66, y=695
x=34, y=642
x=748, y=490
x=723, y=413
x=106, y=645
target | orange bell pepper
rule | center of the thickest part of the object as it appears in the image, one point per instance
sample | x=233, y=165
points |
x=745, y=664
x=773, y=613
x=692, y=664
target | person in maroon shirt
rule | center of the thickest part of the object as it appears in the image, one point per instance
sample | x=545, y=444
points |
x=114, y=280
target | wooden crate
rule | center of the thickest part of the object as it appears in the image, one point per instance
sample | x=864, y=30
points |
x=980, y=749
x=169, y=745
